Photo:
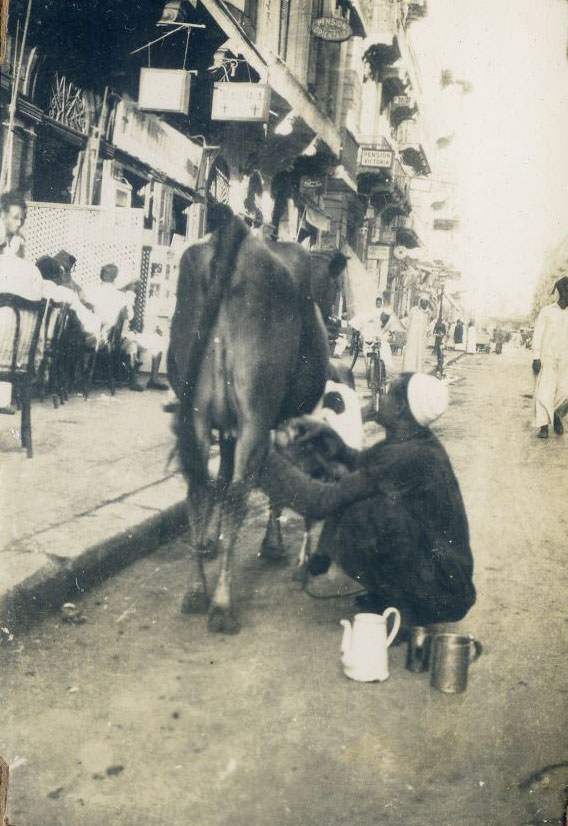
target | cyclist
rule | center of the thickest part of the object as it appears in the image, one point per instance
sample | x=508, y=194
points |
x=375, y=325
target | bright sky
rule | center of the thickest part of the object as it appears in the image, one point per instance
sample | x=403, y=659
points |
x=510, y=151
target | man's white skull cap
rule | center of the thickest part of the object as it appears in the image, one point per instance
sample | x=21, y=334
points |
x=427, y=398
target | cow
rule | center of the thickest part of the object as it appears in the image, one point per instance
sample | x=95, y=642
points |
x=248, y=349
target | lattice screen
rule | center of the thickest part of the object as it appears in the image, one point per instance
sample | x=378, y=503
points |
x=94, y=235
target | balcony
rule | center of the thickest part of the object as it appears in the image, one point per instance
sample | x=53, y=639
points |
x=411, y=147
x=388, y=190
x=395, y=81
x=406, y=229
x=416, y=10
x=403, y=107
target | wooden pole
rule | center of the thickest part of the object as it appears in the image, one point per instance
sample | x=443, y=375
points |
x=6, y=176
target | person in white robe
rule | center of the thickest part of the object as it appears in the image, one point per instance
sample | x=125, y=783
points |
x=471, y=341
x=417, y=330
x=550, y=363
x=376, y=324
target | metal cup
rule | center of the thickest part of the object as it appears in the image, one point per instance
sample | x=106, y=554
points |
x=418, y=652
x=451, y=656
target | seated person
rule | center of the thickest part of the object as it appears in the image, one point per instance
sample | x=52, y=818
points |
x=55, y=289
x=108, y=302
x=17, y=277
x=66, y=263
x=396, y=524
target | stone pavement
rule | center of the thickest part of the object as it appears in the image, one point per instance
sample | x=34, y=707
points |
x=97, y=493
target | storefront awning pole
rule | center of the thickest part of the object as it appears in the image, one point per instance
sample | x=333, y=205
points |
x=6, y=175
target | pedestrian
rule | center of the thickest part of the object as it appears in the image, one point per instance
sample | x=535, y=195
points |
x=499, y=337
x=550, y=362
x=471, y=340
x=415, y=350
x=458, y=335
x=13, y=211
x=440, y=331
x=108, y=302
x=397, y=523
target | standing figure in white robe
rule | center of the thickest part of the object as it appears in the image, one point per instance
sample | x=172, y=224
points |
x=416, y=332
x=550, y=363
x=471, y=342
x=376, y=324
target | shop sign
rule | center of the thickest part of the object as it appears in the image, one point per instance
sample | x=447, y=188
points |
x=376, y=158
x=388, y=236
x=401, y=100
x=240, y=101
x=156, y=144
x=375, y=251
x=164, y=90
x=335, y=29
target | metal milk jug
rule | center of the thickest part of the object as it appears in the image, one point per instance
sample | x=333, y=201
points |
x=364, y=647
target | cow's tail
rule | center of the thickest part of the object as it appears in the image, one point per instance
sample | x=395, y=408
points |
x=230, y=232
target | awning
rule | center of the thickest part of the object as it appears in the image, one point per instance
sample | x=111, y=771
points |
x=357, y=19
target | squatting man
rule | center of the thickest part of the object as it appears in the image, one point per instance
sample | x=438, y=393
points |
x=396, y=522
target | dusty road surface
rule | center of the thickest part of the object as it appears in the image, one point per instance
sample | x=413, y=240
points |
x=139, y=716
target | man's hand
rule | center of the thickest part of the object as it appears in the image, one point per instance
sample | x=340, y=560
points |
x=536, y=366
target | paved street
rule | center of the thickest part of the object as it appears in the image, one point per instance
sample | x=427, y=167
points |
x=138, y=715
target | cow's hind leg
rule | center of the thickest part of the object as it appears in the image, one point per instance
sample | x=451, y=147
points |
x=250, y=448
x=222, y=618
x=210, y=545
x=272, y=547
x=200, y=502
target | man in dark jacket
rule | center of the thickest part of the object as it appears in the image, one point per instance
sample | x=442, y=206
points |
x=397, y=523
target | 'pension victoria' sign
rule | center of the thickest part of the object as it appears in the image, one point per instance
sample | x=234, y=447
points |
x=335, y=29
x=376, y=158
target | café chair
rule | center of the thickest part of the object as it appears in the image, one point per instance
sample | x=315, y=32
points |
x=20, y=325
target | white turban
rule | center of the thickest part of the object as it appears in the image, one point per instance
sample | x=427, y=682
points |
x=427, y=398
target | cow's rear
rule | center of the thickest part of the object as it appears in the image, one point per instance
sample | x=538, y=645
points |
x=246, y=340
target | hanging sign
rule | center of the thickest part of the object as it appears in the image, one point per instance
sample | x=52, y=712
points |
x=375, y=157
x=335, y=29
x=164, y=90
x=240, y=101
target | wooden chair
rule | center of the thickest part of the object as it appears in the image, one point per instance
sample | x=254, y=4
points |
x=20, y=325
x=108, y=350
x=52, y=370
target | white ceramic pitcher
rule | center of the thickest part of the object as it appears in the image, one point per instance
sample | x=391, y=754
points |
x=364, y=647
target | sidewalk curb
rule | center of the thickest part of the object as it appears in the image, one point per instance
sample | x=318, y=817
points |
x=62, y=562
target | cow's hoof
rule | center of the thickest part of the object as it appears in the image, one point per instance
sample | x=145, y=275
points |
x=223, y=621
x=301, y=573
x=210, y=550
x=195, y=602
x=273, y=553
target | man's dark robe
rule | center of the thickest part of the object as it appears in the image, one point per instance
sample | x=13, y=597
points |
x=397, y=524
